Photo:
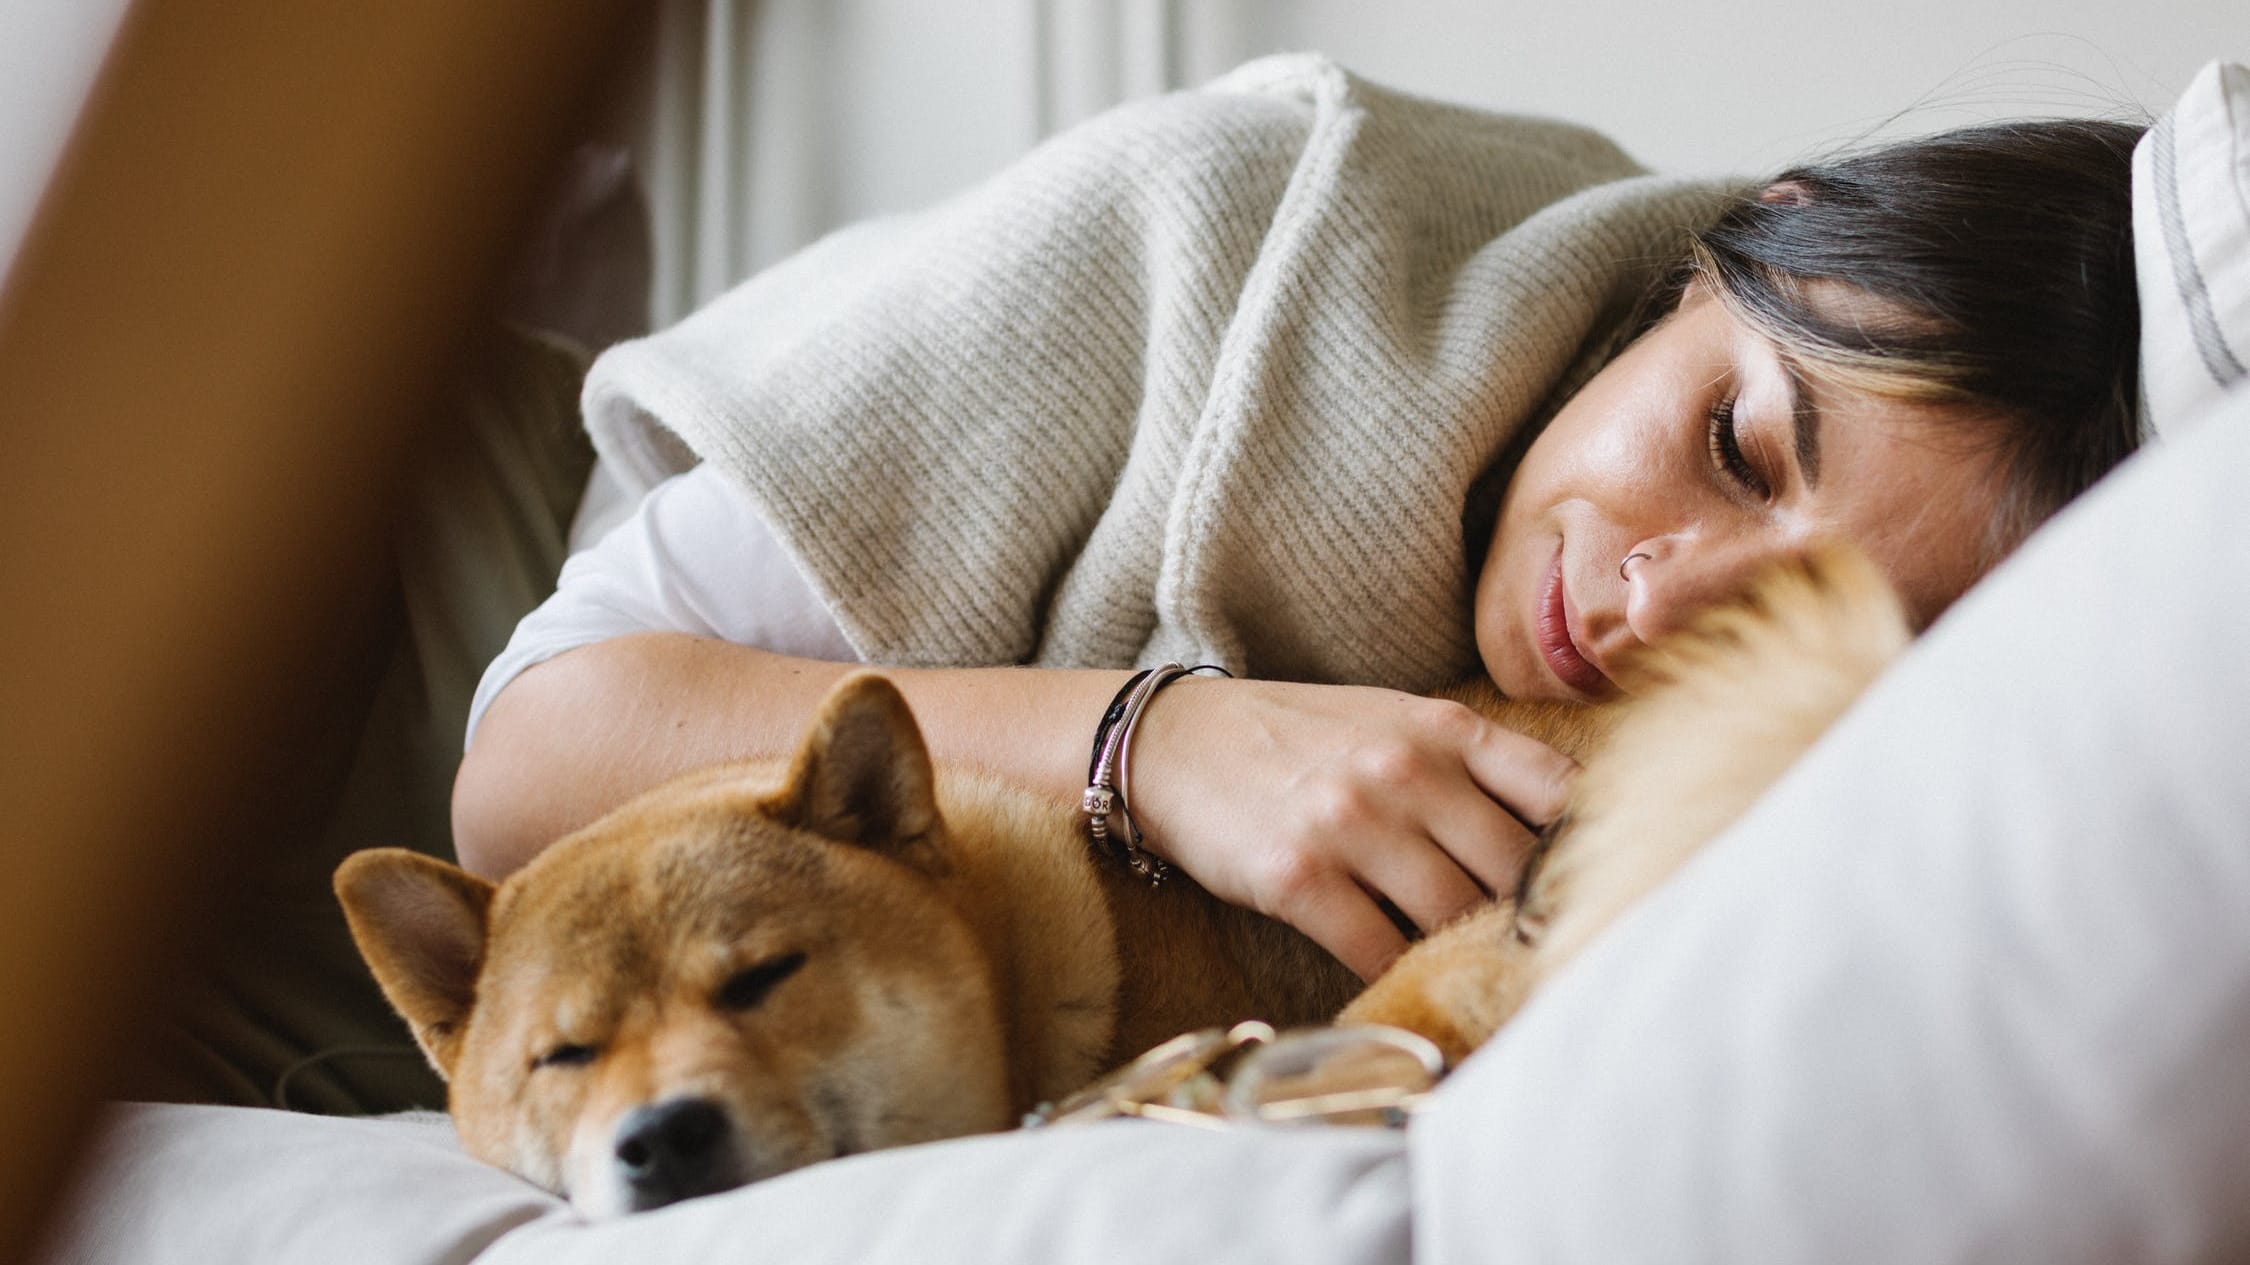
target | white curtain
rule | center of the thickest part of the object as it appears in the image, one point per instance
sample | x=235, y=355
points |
x=770, y=122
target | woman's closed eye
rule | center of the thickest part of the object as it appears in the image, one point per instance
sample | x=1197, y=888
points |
x=1727, y=457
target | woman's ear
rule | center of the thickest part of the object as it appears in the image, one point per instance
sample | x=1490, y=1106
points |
x=1785, y=193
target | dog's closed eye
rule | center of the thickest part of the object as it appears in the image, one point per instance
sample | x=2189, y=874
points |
x=746, y=988
x=566, y=1055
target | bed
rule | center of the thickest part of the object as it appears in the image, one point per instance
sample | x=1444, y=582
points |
x=1972, y=982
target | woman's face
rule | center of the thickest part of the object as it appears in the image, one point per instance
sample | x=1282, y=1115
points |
x=1700, y=455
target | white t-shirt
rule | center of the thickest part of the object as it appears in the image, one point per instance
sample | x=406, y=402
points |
x=694, y=556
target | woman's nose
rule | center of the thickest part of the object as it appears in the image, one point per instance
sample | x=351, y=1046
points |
x=1667, y=582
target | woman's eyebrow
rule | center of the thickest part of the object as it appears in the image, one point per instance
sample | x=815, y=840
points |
x=1804, y=419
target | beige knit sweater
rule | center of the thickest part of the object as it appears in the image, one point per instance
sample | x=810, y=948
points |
x=1208, y=379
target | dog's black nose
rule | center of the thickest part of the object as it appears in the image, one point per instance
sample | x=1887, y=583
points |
x=669, y=1151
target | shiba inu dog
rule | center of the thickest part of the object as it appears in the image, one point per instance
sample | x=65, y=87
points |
x=759, y=966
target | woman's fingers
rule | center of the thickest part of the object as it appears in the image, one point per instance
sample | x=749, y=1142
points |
x=1424, y=879
x=1462, y=798
x=1485, y=840
x=1343, y=919
x=1312, y=803
x=1530, y=778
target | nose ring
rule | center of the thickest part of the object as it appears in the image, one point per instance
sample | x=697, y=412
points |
x=1626, y=563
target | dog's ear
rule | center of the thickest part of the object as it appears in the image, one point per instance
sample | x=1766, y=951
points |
x=863, y=775
x=420, y=923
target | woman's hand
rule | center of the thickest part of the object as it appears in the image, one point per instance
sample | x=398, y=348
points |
x=1310, y=802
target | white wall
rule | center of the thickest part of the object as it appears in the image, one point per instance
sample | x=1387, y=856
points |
x=889, y=104
x=1749, y=84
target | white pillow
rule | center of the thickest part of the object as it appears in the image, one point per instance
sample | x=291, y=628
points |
x=1972, y=983
x=2191, y=246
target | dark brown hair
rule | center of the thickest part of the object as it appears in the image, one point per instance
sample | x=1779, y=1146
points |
x=1990, y=267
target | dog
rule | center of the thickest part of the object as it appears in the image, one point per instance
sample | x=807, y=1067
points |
x=758, y=966
x=763, y=965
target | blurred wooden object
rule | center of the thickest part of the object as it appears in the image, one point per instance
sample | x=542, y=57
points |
x=275, y=226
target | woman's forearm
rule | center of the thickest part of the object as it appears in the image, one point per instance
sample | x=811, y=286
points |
x=1307, y=802
x=579, y=734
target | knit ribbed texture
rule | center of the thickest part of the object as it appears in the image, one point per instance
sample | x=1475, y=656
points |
x=1206, y=379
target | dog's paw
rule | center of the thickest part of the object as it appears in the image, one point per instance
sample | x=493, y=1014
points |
x=1455, y=988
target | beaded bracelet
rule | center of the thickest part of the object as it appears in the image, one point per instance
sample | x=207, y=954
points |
x=1106, y=770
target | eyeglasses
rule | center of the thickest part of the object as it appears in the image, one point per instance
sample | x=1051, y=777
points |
x=1248, y=1074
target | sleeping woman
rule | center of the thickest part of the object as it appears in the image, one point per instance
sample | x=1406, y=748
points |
x=1350, y=393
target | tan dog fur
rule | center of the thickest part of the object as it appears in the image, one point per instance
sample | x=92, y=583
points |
x=964, y=957
x=1714, y=716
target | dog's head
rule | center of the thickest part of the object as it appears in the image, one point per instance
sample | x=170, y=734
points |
x=724, y=979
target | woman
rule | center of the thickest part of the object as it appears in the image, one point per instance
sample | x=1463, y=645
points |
x=1924, y=350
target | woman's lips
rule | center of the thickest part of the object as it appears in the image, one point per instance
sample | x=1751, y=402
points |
x=1556, y=645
